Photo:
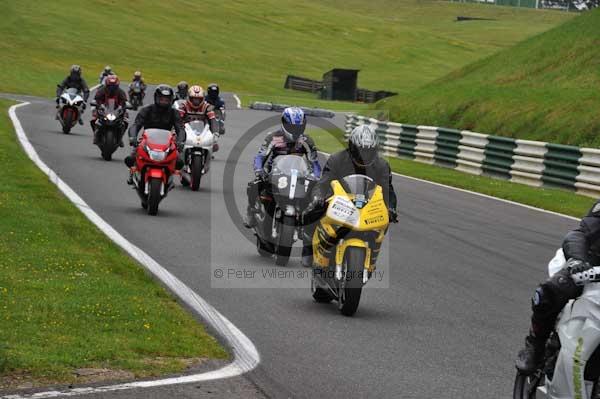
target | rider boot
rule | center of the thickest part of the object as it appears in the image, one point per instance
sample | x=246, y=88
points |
x=307, y=250
x=130, y=162
x=252, y=191
x=250, y=219
x=307, y=256
x=531, y=356
x=93, y=126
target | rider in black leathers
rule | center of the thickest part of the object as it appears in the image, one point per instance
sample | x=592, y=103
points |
x=159, y=115
x=582, y=249
x=182, y=90
x=74, y=81
x=106, y=72
x=361, y=157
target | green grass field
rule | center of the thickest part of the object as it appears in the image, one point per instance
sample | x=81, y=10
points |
x=250, y=47
x=546, y=88
x=555, y=200
x=69, y=298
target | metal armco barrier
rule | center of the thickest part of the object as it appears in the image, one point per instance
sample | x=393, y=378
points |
x=318, y=112
x=533, y=163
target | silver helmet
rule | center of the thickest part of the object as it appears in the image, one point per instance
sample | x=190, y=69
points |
x=363, y=144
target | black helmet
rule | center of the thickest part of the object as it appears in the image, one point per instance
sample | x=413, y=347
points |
x=363, y=143
x=212, y=90
x=163, y=96
x=182, y=89
x=75, y=71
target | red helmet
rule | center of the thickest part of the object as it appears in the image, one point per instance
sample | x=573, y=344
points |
x=112, y=84
x=195, y=97
x=112, y=80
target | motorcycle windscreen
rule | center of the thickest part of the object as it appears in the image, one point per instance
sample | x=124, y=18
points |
x=196, y=126
x=363, y=188
x=158, y=137
x=72, y=92
x=110, y=106
x=285, y=164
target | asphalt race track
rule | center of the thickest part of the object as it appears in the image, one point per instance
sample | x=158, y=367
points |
x=460, y=268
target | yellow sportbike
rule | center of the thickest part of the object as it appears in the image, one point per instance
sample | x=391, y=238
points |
x=347, y=240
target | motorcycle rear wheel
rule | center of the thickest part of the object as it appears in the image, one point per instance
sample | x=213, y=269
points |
x=351, y=290
x=154, y=196
x=264, y=249
x=285, y=240
x=319, y=294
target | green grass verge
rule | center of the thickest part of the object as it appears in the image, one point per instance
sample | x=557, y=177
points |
x=250, y=47
x=69, y=297
x=555, y=200
x=546, y=88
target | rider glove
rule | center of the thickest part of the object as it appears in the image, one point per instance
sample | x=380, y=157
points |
x=260, y=174
x=575, y=266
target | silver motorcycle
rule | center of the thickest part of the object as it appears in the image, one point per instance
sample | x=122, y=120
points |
x=571, y=367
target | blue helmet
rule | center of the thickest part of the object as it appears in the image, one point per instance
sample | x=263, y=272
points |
x=293, y=122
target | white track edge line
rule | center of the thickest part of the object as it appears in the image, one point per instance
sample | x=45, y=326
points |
x=237, y=99
x=246, y=356
x=533, y=208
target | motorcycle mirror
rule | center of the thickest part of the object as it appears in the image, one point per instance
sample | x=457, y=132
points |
x=93, y=103
x=128, y=105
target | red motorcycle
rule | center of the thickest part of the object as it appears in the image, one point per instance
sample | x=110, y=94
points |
x=154, y=166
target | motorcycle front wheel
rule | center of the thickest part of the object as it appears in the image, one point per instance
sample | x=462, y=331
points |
x=525, y=386
x=67, y=122
x=351, y=287
x=154, y=196
x=196, y=170
x=285, y=240
x=107, y=145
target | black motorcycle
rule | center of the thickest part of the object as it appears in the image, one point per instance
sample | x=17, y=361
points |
x=109, y=128
x=279, y=209
x=220, y=113
x=136, y=95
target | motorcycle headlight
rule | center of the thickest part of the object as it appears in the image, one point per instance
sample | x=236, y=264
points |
x=63, y=100
x=111, y=117
x=157, y=155
x=78, y=103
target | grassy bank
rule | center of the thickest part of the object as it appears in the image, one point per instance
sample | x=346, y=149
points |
x=70, y=299
x=555, y=200
x=546, y=88
x=250, y=47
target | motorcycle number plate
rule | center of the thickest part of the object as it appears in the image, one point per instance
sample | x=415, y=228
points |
x=282, y=182
x=344, y=211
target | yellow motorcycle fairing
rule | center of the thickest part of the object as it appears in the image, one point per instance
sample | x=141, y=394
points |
x=343, y=214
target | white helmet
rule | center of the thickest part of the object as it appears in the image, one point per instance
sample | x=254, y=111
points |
x=363, y=144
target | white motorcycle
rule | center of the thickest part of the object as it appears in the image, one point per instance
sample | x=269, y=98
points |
x=70, y=108
x=571, y=367
x=197, y=153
